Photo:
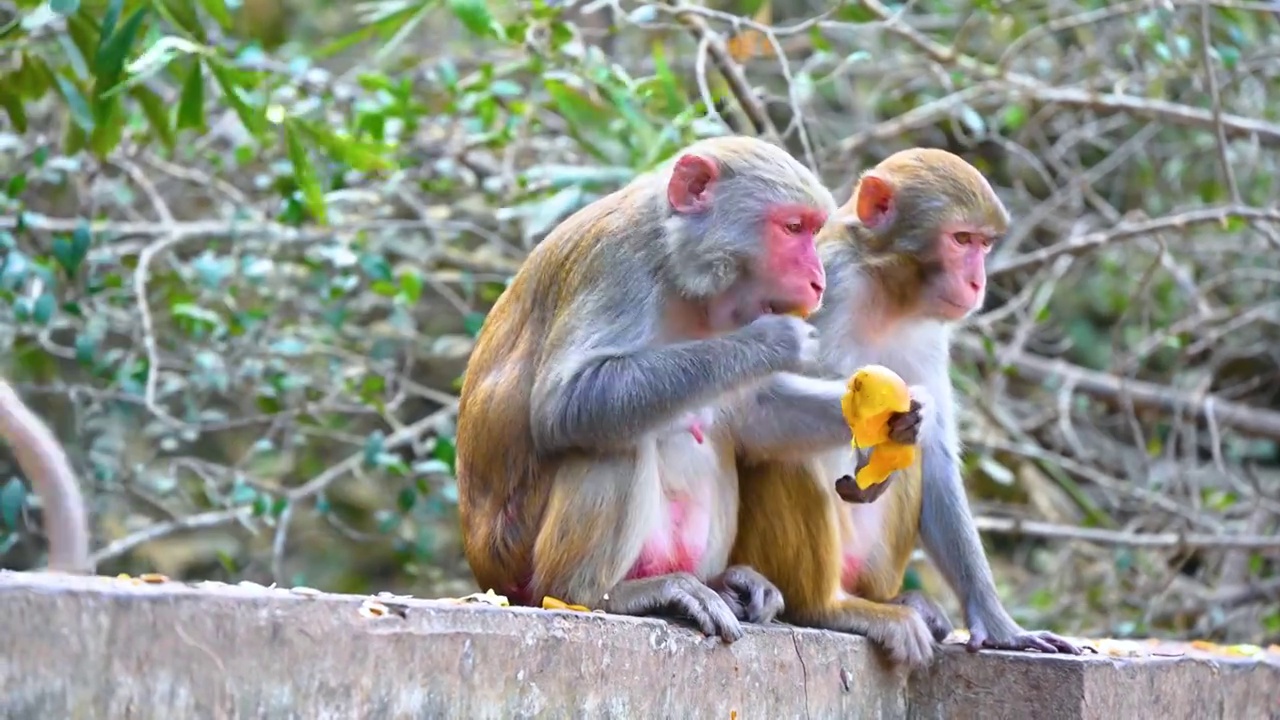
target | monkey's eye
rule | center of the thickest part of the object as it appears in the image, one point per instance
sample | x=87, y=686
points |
x=793, y=227
x=962, y=238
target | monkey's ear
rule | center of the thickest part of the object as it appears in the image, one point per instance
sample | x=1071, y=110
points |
x=875, y=205
x=689, y=190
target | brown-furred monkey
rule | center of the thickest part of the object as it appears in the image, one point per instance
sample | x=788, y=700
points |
x=45, y=464
x=641, y=347
x=905, y=259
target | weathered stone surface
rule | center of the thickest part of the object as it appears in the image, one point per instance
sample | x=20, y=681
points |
x=103, y=648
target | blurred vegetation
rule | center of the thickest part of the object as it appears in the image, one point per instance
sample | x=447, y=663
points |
x=247, y=244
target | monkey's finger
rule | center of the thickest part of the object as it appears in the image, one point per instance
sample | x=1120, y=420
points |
x=712, y=610
x=688, y=605
x=1021, y=642
x=1061, y=644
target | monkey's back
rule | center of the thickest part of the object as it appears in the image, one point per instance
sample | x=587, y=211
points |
x=503, y=485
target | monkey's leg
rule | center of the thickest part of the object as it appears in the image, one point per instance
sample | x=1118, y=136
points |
x=897, y=628
x=591, y=549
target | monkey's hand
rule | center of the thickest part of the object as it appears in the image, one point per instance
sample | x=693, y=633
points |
x=848, y=490
x=675, y=595
x=1015, y=638
x=847, y=487
x=750, y=595
x=932, y=614
x=794, y=340
x=904, y=428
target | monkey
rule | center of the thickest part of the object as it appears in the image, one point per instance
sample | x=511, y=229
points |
x=46, y=466
x=643, y=345
x=905, y=260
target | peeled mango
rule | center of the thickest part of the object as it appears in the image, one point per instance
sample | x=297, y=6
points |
x=874, y=394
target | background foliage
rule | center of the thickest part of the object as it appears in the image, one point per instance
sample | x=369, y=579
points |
x=248, y=244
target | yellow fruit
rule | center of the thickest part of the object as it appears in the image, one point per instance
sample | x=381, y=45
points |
x=874, y=394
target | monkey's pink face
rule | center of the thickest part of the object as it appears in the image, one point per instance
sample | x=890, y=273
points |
x=962, y=285
x=793, y=273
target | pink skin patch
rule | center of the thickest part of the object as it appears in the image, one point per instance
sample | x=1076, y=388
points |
x=695, y=429
x=677, y=544
x=849, y=572
x=792, y=255
x=964, y=255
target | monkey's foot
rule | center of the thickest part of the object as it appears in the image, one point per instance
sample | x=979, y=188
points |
x=904, y=428
x=848, y=490
x=750, y=595
x=932, y=613
x=676, y=595
x=1020, y=640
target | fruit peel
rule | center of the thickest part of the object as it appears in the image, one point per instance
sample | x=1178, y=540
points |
x=873, y=395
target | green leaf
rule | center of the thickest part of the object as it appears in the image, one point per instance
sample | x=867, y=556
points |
x=12, y=498
x=373, y=446
x=472, y=322
x=86, y=349
x=406, y=499
x=411, y=285
x=79, y=107
x=217, y=9
x=474, y=14
x=357, y=154
x=12, y=104
x=250, y=117
x=154, y=59
x=70, y=252
x=16, y=185
x=109, y=60
x=191, y=103
x=303, y=172
x=109, y=20
x=64, y=7
x=448, y=452
x=156, y=112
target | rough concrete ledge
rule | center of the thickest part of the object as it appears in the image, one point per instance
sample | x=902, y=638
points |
x=75, y=648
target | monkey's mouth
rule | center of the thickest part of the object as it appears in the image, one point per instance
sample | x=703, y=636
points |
x=777, y=307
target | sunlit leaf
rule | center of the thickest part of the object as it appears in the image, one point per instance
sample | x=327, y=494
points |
x=12, y=105
x=252, y=118
x=304, y=172
x=474, y=14
x=191, y=103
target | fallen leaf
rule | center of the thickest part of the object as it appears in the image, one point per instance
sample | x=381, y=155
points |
x=550, y=603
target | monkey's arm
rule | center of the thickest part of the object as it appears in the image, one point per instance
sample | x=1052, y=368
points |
x=950, y=535
x=790, y=417
x=604, y=399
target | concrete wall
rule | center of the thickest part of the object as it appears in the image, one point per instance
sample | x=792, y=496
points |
x=106, y=648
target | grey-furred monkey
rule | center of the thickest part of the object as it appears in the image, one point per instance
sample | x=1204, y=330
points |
x=643, y=346
x=45, y=464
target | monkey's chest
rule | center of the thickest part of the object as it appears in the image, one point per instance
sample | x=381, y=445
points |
x=692, y=503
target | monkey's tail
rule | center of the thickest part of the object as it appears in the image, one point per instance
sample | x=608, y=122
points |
x=45, y=464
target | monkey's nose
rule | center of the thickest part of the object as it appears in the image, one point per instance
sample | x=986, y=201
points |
x=817, y=288
x=975, y=286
